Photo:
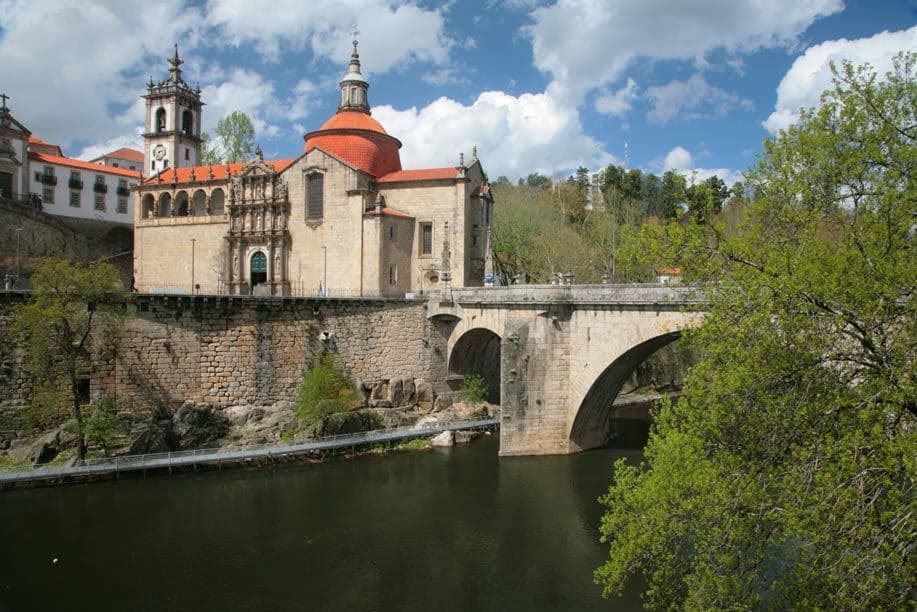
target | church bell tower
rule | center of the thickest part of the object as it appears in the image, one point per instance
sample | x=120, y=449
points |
x=173, y=122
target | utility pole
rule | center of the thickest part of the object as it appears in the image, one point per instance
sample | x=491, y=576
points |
x=18, y=256
x=325, y=273
x=192, y=265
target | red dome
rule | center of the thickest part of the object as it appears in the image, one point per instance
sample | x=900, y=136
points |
x=359, y=140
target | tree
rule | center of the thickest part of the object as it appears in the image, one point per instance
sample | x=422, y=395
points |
x=674, y=193
x=233, y=141
x=69, y=306
x=785, y=477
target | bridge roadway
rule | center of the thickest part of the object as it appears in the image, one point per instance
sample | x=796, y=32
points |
x=113, y=466
x=559, y=354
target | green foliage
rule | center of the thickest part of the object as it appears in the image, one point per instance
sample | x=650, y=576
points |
x=233, y=140
x=48, y=404
x=417, y=444
x=70, y=305
x=324, y=390
x=102, y=425
x=785, y=477
x=474, y=389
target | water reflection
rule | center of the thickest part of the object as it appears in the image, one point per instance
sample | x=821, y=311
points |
x=454, y=530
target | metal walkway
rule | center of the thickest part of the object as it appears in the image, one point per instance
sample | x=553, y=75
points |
x=193, y=458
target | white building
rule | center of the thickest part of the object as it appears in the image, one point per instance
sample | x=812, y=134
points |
x=128, y=159
x=84, y=190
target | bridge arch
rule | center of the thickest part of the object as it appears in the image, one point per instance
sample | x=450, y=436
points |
x=591, y=424
x=477, y=351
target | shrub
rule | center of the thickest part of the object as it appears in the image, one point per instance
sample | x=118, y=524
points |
x=102, y=426
x=324, y=390
x=474, y=389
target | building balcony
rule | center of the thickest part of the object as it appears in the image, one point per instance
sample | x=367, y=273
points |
x=47, y=179
x=75, y=184
x=124, y=191
x=100, y=187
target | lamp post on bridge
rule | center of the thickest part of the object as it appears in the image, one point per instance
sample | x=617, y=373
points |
x=193, y=240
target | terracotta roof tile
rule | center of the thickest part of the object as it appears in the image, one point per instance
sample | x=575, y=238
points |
x=124, y=153
x=202, y=173
x=426, y=174
x=83, y=165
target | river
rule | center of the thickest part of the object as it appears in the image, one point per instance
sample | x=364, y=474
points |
x=451, y=529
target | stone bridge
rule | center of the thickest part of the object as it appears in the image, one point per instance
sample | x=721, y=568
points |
x=555, y=357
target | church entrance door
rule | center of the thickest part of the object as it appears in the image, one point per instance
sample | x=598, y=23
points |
x=6, y=185
x=258, y=269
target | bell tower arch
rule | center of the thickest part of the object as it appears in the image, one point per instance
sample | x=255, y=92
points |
x=173, y=122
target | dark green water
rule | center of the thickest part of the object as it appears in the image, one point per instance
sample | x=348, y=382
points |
x=459, y=529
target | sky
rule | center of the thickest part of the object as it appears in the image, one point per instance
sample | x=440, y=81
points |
x=536, y=86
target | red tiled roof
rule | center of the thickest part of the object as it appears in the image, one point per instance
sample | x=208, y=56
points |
x=83, y=165
x=353, y=120
x=391, y=212
x=124, y=153
x=202, y=173
x=358, y=140
x=426, y=174
x=38, y=145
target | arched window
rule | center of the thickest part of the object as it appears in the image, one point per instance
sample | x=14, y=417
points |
x=187, y=123
x=161, y=120
x=258, y=269
x=216, y=202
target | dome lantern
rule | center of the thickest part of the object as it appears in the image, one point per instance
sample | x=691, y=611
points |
x=353, y=85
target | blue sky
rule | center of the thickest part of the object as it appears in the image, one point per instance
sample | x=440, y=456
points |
x=536, y=86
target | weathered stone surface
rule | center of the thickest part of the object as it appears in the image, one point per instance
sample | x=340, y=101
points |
x=408, y=391
x=465, y=436
x=441, y=403
x=446, y=438
x=353, y=421
x=199, y=425
x=396, y=392
x=153, y=439
x=427, y=422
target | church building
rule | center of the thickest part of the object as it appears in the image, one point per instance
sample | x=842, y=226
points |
x=341, y=219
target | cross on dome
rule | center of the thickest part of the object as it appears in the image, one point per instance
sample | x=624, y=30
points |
x=4, y=97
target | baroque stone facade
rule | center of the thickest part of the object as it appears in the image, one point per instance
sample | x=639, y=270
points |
x=341, y=219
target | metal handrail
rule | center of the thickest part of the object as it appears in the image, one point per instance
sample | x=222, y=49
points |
x=126, y=463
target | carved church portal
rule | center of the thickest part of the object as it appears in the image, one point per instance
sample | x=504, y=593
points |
x=258, y=269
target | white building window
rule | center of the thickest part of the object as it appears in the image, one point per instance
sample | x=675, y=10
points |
x=122, y=206
x=100, y=202
x=75, y=199
x=47, y=195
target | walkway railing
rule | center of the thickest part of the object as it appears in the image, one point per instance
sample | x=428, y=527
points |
x=191, y=458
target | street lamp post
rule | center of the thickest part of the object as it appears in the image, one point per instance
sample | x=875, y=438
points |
x=18, y=258
x=192, y=265
x=325, y=273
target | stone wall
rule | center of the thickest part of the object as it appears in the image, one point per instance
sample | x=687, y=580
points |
x=44, y=235
x=231, y=351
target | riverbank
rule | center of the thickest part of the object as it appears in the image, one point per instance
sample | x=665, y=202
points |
x=128, y=466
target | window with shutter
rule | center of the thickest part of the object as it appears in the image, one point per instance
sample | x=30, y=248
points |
x=426, y=238
x=316, y=196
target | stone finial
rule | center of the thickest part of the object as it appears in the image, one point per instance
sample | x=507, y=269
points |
x=259, y=154
x=474, y=152
x=461, y=159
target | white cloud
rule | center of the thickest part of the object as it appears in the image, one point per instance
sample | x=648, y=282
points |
x=131, y=141
x=810, y=74
x=394, y=34
x=445, y=76
x=586, y=44
x=69, y=66
x=514, y=135
x=694, y=98
x=617, y=103
x=678, y=158
x=681, y=160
